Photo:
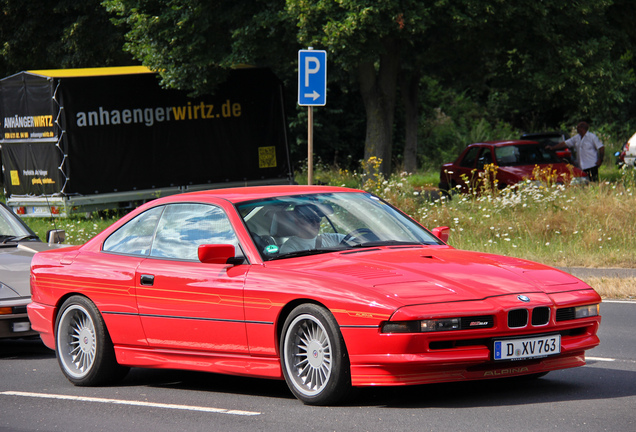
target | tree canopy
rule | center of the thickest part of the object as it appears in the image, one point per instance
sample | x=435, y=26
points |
x=45, y=34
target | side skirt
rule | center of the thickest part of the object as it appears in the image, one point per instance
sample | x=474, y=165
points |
x=257, y=367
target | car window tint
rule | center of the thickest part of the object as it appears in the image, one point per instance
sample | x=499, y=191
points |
x=470, y=157
x=524, y=155
x=183, y=227
x=135, y=237
x=485, y=158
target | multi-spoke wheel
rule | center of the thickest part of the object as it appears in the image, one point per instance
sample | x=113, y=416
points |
x=84, y=349
x=314, y=356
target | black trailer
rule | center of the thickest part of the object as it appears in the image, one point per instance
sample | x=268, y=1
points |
x=80, y=140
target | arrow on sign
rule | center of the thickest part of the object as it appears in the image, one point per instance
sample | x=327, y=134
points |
x=315, y=95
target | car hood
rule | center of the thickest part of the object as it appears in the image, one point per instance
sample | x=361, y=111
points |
x=15, y=267
x=437, y=274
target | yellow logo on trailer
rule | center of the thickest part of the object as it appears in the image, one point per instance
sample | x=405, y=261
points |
x=15, y=178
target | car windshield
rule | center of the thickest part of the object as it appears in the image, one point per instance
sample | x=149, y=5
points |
x=527, y=154
x=283, y=227
x=11, y=229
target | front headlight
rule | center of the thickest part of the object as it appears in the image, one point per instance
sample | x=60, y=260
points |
x=440, y=324
x=423, y=326
x=586, y=311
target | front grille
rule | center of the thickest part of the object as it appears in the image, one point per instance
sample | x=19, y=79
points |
x=540, y=316
x=517, y=318
x=565, y=314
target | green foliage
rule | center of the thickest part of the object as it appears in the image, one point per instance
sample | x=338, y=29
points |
x=193, y=43
x=355, y=31
x=450, y=121
x=45, y=34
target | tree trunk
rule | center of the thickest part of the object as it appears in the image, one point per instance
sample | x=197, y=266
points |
x=410, y=87
x=378, y=89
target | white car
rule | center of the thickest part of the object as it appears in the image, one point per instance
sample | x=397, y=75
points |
x=627, y=156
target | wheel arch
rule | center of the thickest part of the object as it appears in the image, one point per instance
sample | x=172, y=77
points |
x=286, y=311
x=58, y=308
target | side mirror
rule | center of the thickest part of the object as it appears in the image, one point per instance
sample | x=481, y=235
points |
x=216, y=253
x=55, y=236
x=442, y=233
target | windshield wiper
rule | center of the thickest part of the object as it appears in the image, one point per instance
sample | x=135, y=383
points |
x=306, y=252
x=371, y=244
x=17, y=239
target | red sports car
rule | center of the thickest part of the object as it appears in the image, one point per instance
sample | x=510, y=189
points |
x=325, y=287
x=516, y=161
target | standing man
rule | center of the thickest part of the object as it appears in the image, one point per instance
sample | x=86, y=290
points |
x=589, y=150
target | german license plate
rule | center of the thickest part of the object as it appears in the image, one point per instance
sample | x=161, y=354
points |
x=527, y=348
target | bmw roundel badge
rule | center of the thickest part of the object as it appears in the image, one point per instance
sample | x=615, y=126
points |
x=523, y=298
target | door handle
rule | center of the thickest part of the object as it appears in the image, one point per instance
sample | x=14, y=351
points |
x=147, y=280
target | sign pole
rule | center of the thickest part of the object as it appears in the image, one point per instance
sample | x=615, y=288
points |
x=310, y=145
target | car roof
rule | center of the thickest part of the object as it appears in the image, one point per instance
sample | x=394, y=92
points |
x=242, y=194
x=542, y=134
x=505, y=143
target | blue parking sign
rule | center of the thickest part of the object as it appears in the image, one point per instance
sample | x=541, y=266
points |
x=312, y=78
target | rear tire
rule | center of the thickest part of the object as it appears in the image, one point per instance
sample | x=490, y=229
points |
x=83, y=347
x=314, y=357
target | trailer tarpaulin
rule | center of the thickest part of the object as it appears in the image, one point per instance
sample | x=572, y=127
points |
x=123, y=132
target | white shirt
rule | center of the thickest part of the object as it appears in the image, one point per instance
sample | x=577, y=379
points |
x=586, y=149
x=294, y=244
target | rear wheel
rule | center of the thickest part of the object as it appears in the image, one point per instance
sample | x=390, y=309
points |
x=314, y=357
x=83, y=347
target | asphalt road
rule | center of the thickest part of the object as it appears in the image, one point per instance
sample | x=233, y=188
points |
x=35, y=396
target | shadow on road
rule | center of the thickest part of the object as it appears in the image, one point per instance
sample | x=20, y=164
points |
x=31, y=348
x=201, y=381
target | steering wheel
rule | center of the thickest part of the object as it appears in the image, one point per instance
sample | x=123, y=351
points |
x=356, y=236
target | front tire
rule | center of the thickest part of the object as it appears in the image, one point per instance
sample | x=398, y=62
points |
x=83, y=347
x=314, y=356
